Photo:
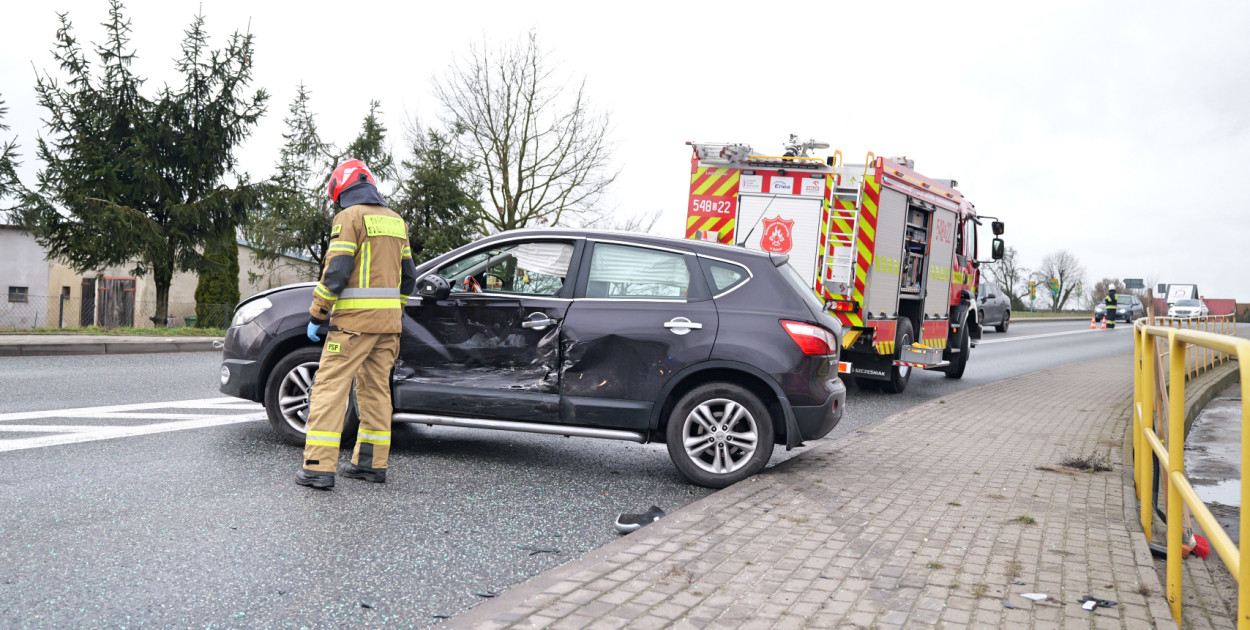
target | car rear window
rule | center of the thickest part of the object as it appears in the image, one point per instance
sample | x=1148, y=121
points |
x=796, y=282
x=622, y=271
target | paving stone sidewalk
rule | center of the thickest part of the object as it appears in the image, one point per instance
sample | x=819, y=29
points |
x=941, y=516
x=45, y=345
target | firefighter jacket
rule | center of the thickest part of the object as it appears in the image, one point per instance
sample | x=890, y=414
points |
x=1109, y=304
x=368, y=273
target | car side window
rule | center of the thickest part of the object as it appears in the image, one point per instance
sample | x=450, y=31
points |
x=724, y=276
x=529, y=268
x=623, y=271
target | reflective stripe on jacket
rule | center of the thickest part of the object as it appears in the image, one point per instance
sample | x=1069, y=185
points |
x=368, y=273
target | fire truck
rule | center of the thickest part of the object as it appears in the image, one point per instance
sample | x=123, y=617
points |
x=890, y=252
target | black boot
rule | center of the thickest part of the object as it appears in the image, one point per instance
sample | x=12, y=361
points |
x=315, y=479
x=352, y=471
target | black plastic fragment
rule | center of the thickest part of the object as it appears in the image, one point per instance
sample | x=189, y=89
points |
x=486, y=594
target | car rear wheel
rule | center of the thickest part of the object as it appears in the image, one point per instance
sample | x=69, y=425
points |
x=1002, y=326
x=719, y=434
x=288, y=393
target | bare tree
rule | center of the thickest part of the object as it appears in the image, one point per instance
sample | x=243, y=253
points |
x=1102, y=287
x=640, y=223
x=1064, y=267
x=1010, y=276
x=543, y=151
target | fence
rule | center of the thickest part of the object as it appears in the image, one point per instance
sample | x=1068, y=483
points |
x=71, y=312
x=1159, y=410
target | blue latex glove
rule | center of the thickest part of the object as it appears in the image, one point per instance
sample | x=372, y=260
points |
x=312, y=331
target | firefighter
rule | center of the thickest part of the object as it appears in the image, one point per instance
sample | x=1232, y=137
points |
x=367, y=278
x=1109, y=308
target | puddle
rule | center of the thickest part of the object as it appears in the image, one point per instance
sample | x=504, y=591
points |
x=1213, y=457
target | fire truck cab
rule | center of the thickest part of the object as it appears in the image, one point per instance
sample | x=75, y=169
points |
x=891, y=252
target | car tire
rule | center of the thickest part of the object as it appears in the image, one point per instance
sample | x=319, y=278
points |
x=959, y=362
x=292, y=376
x=1002, y=326
x=900, y=374
x=690, y=421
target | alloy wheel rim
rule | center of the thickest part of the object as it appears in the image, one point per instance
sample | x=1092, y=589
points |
x=720, y=436
x=295, y=393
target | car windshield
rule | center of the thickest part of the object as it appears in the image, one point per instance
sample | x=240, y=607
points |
x=796, y=282
x=1188, y=303
x=1124, y=299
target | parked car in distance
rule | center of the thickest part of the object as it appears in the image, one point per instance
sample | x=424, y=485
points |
x=1127, y=309
x=1188, y=308
x=717, y=351
x=995, y=306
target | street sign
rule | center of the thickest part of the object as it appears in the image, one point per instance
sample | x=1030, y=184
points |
x=1134, y=283
x=1054, y=287
x=1032, y=290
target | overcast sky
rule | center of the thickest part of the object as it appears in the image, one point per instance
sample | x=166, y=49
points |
x=1115, y=130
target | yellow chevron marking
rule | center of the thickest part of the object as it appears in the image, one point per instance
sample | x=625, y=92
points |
x=728, y=227
x=842, y=225
x=723, y=190
x=709, y=224
x=870, y=206
x=872, y=183
x=698, y=173
x=707, y=184
x=691, y=221
x=870, y=233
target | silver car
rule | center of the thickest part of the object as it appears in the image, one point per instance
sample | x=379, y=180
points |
x=1188, y=308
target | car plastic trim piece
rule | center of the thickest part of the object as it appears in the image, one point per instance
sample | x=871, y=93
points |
x=524, y=427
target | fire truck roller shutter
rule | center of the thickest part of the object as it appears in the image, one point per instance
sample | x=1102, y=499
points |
x=801, y=240
x=881, y=292
x=941, y=253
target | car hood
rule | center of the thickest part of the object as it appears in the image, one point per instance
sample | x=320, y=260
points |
x=287, y=287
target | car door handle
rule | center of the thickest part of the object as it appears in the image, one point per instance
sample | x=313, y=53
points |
x=538, y=321
x=681, y=325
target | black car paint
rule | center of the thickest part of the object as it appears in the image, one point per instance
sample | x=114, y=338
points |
x=550, y=376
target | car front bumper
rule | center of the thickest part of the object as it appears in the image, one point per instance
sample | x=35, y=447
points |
x=242, y=378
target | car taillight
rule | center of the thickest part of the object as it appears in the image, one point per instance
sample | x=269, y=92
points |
x=812, y=340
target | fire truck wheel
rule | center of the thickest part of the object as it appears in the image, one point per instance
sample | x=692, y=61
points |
x=1002, y=326
x=719, y=434
x=960, y=361
x=900, y=374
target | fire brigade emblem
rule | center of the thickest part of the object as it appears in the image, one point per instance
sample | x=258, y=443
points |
x=777, y=237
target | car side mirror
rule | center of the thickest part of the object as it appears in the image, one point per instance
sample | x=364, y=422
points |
x=997, y=227
x=996, y=248
x=433, y=288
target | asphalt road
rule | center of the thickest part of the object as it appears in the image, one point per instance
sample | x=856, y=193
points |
x=184, y=514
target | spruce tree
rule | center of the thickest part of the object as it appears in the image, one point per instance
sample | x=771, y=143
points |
x=218, y=289
x=133, y=179
x=10, y=186
x=438, y=196
x=295, y=214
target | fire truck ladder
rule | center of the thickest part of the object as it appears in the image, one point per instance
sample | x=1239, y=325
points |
x=842, y=230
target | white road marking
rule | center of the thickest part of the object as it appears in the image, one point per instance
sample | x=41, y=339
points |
x=1026, y=337
x=108, y=433
x=203, y=403
x=77, y=433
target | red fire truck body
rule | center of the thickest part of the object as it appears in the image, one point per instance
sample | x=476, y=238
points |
x=891, y=252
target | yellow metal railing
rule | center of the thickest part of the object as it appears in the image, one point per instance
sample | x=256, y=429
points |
x=1187, y=350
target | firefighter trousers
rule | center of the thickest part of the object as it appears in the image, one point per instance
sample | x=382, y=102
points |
x=369, y=358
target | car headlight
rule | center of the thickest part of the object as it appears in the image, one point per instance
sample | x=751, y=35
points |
x=250, y=311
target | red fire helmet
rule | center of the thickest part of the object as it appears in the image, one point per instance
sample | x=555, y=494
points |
x=349, y=174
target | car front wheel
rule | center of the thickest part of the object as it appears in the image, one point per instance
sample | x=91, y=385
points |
x=719, y=434
x=1002, y=326
x=288, y=394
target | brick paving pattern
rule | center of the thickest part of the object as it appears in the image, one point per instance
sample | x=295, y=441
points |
x=940, y=516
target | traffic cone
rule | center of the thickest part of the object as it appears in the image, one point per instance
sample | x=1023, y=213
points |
x=1104, y=323
x=1093, y=322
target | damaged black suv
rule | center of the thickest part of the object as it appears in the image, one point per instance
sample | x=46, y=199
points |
x=717, y=351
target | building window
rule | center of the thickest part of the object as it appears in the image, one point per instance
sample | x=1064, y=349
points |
x=17, y=294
